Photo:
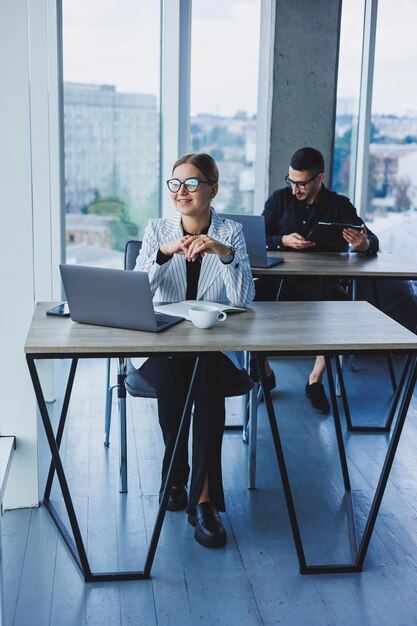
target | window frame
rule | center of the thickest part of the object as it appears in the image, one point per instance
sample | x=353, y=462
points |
x=361, y=170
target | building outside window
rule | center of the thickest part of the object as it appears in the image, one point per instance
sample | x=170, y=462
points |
x=224, y=87
x=348, y=88
x=391, y=199
x=111, y=66
x=392, y=187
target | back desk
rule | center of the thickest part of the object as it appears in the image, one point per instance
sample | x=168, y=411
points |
x=345, y=265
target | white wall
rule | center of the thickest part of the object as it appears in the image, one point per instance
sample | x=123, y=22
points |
x=30, y=216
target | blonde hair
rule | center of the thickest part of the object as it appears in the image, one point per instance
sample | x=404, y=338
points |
x=204, y=162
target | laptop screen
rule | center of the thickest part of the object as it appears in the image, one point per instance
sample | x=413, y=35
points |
x=110, y=297
x=255, y=237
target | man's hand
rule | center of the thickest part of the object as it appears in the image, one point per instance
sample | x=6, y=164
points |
x=296, y=241
x=358, y=239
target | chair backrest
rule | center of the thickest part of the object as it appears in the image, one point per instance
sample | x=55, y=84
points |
x=136, y=385
x=132, y=249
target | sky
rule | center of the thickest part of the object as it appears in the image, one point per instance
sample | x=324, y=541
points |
x=395, y=77
x=121, y=48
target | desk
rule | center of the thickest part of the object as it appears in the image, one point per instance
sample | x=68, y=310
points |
x=344, y=264
x=347, y=265
x=267, y=328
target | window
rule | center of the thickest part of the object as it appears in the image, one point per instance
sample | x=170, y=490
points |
x=392, y=186
x=390, y=200
x=224, y=86
x=348, y=88
x=111, y=63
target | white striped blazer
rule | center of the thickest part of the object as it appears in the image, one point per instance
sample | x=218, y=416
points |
x=218, y=282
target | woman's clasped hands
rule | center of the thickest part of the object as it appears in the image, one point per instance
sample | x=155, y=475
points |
x=194, y=247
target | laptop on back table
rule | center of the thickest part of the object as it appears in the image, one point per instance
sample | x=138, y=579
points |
x=110, y=297
x=255, y=237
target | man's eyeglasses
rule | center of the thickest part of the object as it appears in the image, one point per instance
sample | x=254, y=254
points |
x=191, y=184
x=299, y=184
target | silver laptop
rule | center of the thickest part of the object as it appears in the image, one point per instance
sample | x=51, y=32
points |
x=109, y=297
x=255, y=237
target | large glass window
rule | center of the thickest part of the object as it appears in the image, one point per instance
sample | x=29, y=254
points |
x=224, y=86
x=392, y=188
x=111, y=64
x=348, y=88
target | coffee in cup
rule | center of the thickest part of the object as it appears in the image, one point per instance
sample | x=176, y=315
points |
x=205, y=315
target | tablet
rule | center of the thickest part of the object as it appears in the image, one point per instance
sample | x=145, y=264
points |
x=62, y=310
x=330, y=233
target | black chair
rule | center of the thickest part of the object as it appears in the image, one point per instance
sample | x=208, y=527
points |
x=135, y=383
x=138, y=387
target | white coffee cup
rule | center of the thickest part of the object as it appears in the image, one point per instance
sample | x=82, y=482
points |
x=205, y=315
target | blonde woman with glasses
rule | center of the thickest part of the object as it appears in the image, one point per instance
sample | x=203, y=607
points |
x=196, y=255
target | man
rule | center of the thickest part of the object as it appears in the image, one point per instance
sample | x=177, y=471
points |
x=290, y=214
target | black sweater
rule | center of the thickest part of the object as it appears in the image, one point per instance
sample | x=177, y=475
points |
x=284, y=214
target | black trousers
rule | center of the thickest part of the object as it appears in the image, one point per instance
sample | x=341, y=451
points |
x=170, y=377
x=396, y=298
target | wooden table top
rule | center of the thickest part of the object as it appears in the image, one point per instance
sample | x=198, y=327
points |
x=280, y=327
x=352, y=265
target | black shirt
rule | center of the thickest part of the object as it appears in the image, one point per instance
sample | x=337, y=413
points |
x=284, y=214
x=193, y=269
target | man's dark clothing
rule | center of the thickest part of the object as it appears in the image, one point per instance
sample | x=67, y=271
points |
x=284, y=214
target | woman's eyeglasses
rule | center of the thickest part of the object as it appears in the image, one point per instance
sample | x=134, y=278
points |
x=191, y=184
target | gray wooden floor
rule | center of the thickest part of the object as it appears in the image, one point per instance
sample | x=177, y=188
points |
x=255, y=579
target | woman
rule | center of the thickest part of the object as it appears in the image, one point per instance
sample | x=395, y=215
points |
x=196, y=255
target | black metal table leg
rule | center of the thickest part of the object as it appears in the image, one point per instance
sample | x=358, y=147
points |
x=61, y=425
x=75, y=542
x=389, y=459
x=389, y=358
x=358, y=552
x=279, y=290
x=182, y=432
x=342, y=456
x=386, y=427
x=281, y=464
x=121, y=395
x=77, y=550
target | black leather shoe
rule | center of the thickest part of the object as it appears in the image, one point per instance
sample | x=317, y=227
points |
x=315, y=393
x=178, y=497
x=209, y=530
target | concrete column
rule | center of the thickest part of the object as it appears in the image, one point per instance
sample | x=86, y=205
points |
x=297, y=89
